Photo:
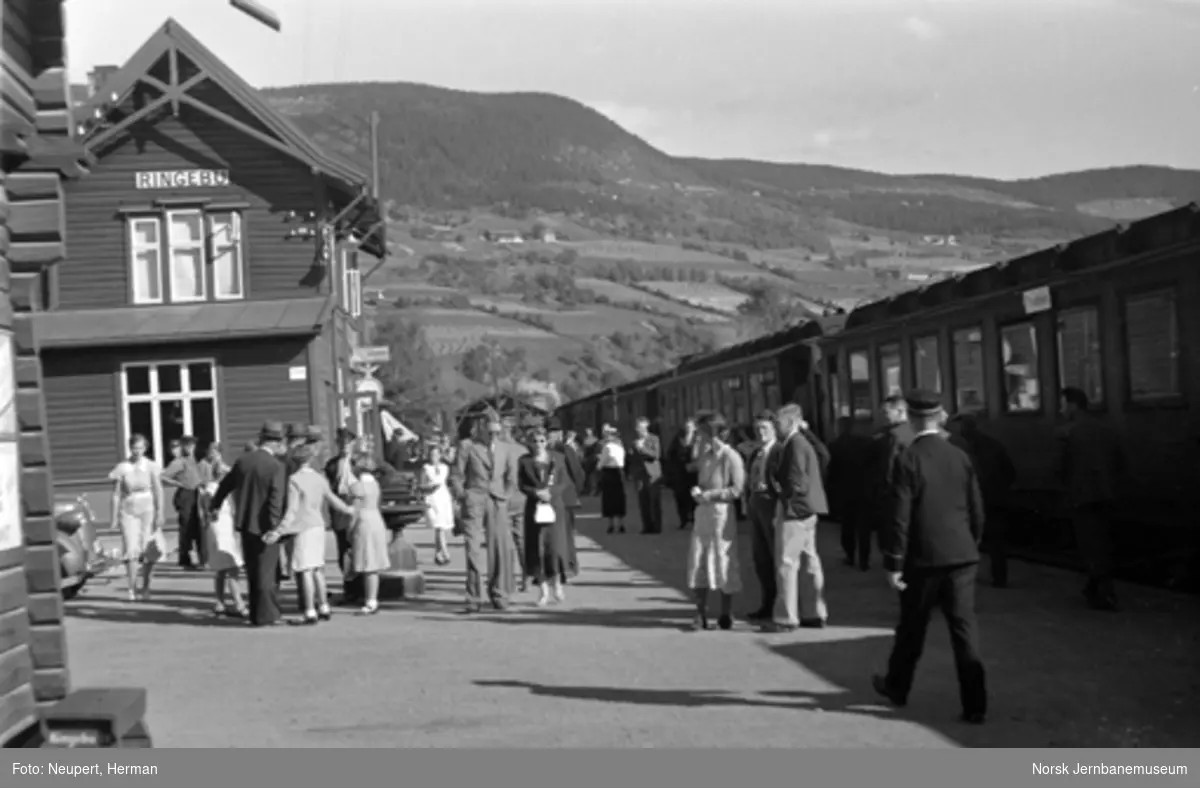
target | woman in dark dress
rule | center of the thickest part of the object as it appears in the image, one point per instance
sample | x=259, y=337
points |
x=542, y=476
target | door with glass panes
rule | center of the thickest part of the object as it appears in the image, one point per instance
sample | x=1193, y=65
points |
x=166, y=400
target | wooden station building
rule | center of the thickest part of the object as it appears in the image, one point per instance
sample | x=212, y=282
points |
x=211, y=280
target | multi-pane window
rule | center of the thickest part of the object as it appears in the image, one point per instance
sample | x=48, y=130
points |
x=860, y=385
x=927, y=364
x=969, y=391
x=225, y=234
x=889, y=370
x=1022, y=383
x=146, y=259
x=186, y=256
x=167, y=400
x=1152, y=346
x=1080, y=364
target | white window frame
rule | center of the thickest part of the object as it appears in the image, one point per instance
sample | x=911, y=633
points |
x=135, y=247
x=172, y=247
x=154, y=397
x=214, y=250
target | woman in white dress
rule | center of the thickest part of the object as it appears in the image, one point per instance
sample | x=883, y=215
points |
x=309, y=503
x=439, y=505
x=224, y=543
x=137, y=506
x=713, y=552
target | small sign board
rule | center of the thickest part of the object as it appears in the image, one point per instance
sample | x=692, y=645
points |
x=298, y=373
x=1037, y=300
x=180, y=179
x=380, y=354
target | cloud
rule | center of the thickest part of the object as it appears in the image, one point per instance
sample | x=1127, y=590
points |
x=922, y=28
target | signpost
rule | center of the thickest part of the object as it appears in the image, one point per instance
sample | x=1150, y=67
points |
x=380, y=354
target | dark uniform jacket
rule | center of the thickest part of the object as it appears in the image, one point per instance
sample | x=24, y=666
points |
x=849, y=462
x=679, y=458
x=822, y=452
x=798, y=483
x=993, y=465
x=937, y=515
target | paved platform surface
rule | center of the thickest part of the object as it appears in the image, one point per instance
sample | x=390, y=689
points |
x=612, y=667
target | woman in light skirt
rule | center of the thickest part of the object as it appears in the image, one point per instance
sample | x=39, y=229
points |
x=368, y=532
x=309, y=503
x=224, y=542
x=712, y=552
x=439, y=505
x=137, y=506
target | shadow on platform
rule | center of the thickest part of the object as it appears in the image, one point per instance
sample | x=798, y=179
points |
x=645, y=697
x=678, y=618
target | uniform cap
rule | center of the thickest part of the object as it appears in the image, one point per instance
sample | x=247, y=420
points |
x=922, y=402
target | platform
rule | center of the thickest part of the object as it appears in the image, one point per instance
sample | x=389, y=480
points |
x=613, y=668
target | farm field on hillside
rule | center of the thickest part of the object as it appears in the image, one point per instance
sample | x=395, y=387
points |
x=597, y=320
x=706, y=294
x=620, y=294
x=642, y=252
x=452, y=331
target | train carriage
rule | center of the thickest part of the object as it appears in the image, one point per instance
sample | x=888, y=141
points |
x=1114, y=314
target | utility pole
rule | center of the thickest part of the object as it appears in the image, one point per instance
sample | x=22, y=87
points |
x=368, y=324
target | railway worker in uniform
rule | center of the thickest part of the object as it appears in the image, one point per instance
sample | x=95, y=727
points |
x=849, y=454
x=645, y=471
x=996, y=474
x=800, y=593
x=762, y=505
x=681, y=473
x=483, y=479
x=1091, y=464
x=890, y=440
x=930, y=546
x=516, y=504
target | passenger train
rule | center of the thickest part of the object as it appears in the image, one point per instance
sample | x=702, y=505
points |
x=1116, y=314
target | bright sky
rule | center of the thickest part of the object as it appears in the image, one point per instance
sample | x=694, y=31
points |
x=1003, y=88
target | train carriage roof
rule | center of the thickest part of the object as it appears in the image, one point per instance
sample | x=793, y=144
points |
x=1125, y=240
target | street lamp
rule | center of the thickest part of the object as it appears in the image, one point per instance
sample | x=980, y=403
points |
x=261, y=13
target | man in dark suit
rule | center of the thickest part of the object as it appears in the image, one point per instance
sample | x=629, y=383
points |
x=644, y=468
x=341, y=476
x=761, y=505
x=890, y=440
x=258, y=482
x=849, y=454
x=1091, y=467
x=681, y=471
x=572, y=492
x=800, y=584
x=931, y=553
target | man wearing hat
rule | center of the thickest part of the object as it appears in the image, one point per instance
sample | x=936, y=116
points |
x=183, y=474
x=258, y=481
x=931, y=554
x=889, y=441
x=340, y=474
x=484, y=479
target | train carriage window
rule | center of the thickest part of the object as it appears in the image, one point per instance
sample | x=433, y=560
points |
x=889, y=370
x=1080, y=363
x=927, y=364
x=1022, y=383
x=714, y=392
x=838, y=401
x=860, y=385
x=969, y=391
x=1152, y=346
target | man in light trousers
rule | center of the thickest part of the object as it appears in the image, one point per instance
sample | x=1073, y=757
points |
x=797, y=481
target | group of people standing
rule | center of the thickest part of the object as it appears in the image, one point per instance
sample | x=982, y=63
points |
x=264, y=517
x=516, y=496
